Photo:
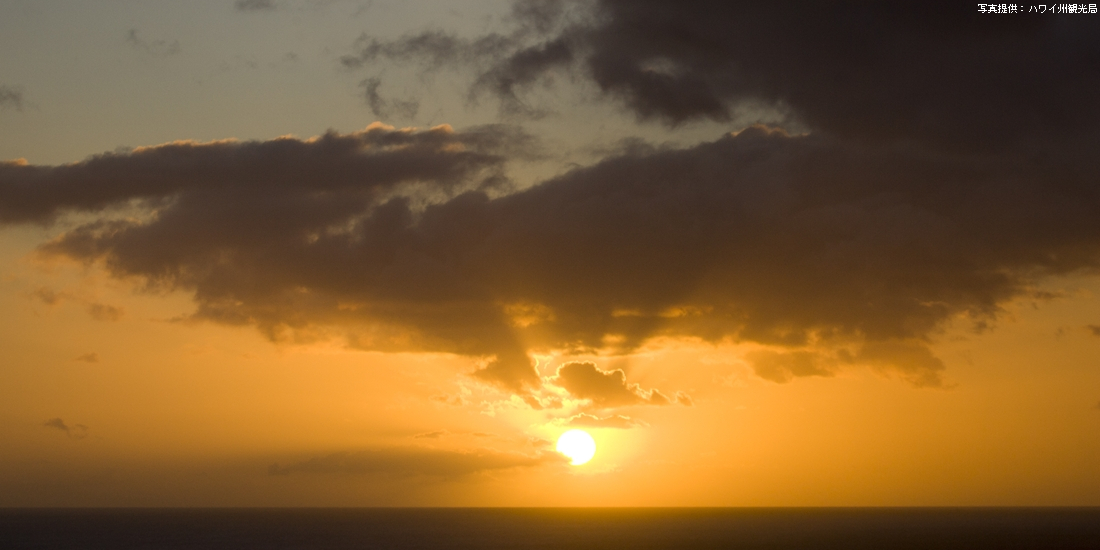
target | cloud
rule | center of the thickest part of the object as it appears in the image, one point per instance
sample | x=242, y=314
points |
x=806, y=243
x=11, y=98
x=254, y=5
x=387, y=108
x=228, y=219
x=76, y=431
x=604, y=388
x=98, y=311
x=49, y=297
x=356, y=167
x=783, y=366
x=88, y=358
x=156, y=48
x=416, y=461
x=866, y=71
x=104, y=312
x=584, y=420
x=1094, y=329
x=507, y=64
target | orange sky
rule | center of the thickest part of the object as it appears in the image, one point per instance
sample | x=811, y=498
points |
x=793, y=291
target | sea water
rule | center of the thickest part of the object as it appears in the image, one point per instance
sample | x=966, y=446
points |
x=553, y=528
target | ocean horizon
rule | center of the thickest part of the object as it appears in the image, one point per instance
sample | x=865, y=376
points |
x=886, y=528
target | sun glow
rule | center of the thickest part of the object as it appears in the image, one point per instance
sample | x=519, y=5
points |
x=577, y=445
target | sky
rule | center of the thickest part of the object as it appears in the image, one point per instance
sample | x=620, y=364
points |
x=384, y=253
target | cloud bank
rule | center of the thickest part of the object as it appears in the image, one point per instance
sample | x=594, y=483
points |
x=851, y=252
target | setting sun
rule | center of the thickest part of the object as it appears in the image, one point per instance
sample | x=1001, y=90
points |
x=577, y=445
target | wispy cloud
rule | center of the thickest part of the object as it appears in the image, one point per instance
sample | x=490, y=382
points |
x=11, y=98
x=158, y=48
x=585, y=420
x=415, y=461
x=254, y=5
x=76, y=431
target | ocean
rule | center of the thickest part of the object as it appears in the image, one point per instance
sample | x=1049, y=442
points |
x=552, y=528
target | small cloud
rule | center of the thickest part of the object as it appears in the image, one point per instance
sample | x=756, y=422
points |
x=452, y=400
x=590, y=421
x=104, y=312
x=684, y=399
x=604, y=388
x=254, y=5
x=48, y=297
x=1094, y=329
x=158, y=48
x=11, y=98
x=431, y=435
x=88, y=358
x=782, y=367
x=539, y=443
x=76, y=431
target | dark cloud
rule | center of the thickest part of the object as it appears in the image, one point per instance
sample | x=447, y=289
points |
x=943, y=76
x=88, y=358
x=292, y=174
x=584, y=420
x=839, y=253
x=604, y=388
x=415, y=461
x=76, y=431
x=11, y=98
x=254, y=5
x=288, y=233
x=1094, y=329
x=158, y=48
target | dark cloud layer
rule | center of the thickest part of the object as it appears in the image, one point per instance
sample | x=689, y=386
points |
x=852, y=252
x=936, y=74
x=416, y=461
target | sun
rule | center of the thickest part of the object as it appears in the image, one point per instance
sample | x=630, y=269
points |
x=577, y=445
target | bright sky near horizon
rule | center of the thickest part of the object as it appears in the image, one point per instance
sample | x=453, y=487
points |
x=384, y=253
